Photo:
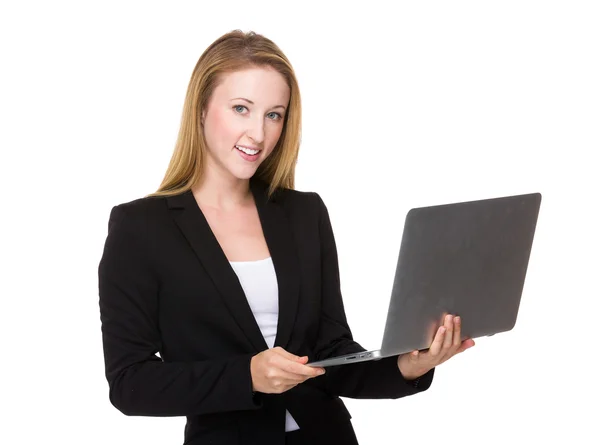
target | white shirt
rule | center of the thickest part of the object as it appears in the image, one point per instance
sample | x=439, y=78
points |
x=259, y=282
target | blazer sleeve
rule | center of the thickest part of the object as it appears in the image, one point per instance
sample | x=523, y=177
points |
x=365, y=380
x=141, y=383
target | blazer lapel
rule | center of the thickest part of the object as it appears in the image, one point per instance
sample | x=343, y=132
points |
x=278, y=235
x=195, y=228
x=280, y=239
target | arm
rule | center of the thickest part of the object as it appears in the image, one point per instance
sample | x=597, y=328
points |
x=141, y=383
x=366, y=380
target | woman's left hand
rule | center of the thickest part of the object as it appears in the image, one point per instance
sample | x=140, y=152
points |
x=445, y=345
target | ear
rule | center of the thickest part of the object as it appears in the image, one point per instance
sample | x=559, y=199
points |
x=202, y=117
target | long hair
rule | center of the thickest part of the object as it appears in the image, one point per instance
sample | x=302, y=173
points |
x=231, y=52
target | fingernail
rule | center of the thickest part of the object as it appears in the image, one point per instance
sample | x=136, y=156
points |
x=457, y=320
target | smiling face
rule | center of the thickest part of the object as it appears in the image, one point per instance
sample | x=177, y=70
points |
x=243, y=121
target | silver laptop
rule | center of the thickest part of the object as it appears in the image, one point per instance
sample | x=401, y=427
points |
x=468, y=259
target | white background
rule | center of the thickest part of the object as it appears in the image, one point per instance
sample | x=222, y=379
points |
x=407, y=105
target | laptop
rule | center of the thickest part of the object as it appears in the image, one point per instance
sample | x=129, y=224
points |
x=466, y=258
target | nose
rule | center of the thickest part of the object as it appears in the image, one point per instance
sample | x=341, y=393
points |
x=256, y=131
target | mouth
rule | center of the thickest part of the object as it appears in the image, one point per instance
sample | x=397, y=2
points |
x=249, y=154
x=249, y=151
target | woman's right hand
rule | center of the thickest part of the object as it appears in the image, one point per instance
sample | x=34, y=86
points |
x=275, y=371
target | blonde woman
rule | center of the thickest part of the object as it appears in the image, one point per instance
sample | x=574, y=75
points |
x=231, y=276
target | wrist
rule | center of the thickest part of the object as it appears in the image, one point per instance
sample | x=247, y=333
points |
x=409, y=372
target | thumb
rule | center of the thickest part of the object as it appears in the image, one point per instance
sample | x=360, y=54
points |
x=289, y=355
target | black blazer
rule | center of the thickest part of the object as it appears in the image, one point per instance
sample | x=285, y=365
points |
x=166, y=287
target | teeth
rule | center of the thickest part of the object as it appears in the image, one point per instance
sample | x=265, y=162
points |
x=247, y=150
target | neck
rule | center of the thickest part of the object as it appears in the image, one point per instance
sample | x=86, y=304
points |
x=222, y=193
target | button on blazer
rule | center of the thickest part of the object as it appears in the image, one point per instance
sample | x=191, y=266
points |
x=178, y=333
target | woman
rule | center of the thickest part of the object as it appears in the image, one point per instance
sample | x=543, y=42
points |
x=231, y=276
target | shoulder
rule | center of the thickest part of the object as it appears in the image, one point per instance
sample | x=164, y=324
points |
x=136, y=213
x=291, y=200
x=146, y=204
x=296, y=198
x=297, y=201
x=306, y=208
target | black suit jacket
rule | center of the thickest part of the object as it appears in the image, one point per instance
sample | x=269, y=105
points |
x=166, y=287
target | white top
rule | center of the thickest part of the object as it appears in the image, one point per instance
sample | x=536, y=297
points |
x=259, y=282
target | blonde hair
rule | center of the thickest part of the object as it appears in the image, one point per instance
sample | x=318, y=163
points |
x=231, y=52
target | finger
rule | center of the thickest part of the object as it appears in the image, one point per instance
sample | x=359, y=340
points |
x=457, y=326
x=282, y=352
x=289, y=356
x=293, y=364
x=302, y=360
x=310, y=371
x=414, y=356
x=436, y=347
x=281, y=381
x=448, y=337
x=443, y=318
x=293, y=367
x=468, y=343
x=291, y=378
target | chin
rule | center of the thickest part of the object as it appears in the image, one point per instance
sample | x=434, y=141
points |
x=241, y=169
x=244, y=174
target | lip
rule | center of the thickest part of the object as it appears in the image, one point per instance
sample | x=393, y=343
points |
x=248, y=146
x=247, y=157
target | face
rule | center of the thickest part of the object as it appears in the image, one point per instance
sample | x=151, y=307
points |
x=243, y=120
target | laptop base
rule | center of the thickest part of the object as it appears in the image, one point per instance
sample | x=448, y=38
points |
x=356, y=357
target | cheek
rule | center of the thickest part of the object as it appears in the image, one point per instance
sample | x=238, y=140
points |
x=273, y=135
x=221, y=128
x=219, y=124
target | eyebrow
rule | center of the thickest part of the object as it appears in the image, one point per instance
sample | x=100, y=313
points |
x=250, y=102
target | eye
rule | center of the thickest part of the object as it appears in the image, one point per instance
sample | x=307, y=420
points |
x=237, y=107
x=277, y=116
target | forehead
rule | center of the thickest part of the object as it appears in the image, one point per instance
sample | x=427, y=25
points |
x=263, y=86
